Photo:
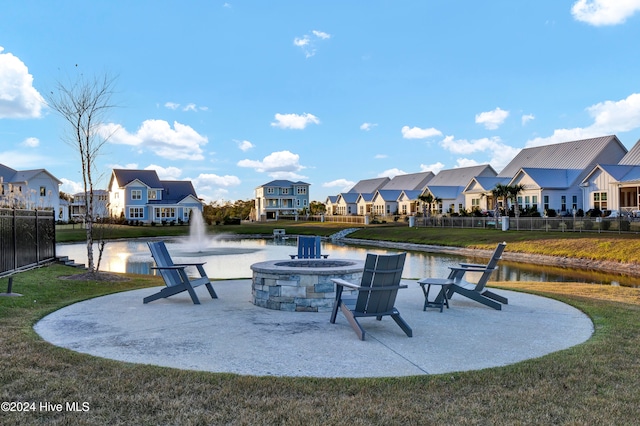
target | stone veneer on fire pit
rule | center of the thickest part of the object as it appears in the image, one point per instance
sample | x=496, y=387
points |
x=301, y=285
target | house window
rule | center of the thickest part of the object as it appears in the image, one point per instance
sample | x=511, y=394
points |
x=298, y=203
x=563, y=203
x=600, y=200
x=574, y=202
x=136, y=212
x=270, y=190
x=301, y=190
x=285, y=191
x=304, y=202
x=116, y=195
x=475, y=203
x=527, y=201
x=404, y=209
x=136, y=194
x=43, y=191
x=153, y=195
x=546, y=202
x=460, y=207
x=166, y=213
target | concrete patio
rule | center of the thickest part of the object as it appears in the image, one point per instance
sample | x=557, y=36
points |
x=232, y=335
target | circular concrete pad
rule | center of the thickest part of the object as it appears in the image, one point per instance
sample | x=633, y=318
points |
x=232, y=335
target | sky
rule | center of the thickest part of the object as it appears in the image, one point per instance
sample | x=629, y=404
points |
x=232, y=95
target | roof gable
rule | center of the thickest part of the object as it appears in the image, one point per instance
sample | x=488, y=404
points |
x=580, y=154
x=460, y=176
x=124, y=177
x=369, y=185
x=413, y=181
x=549, y=178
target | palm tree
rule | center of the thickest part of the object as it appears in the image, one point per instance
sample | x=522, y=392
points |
x=499, y=192
x=427, y=199
x=512, y=193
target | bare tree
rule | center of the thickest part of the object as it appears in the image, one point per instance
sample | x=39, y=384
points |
x=84, y=104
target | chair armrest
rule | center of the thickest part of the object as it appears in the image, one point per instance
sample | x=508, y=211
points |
x=189, y=264
x=471, y=265
x=344, y=283
x=293, y=256
x=169, y=267
x=457, y=268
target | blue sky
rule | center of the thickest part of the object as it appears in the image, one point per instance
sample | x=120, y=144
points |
x=235, y=94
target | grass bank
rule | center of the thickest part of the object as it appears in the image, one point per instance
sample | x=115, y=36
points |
x=593, y=383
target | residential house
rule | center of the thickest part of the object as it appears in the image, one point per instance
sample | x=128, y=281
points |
x=140, y=195
x=100, y=205
x=364, y=204
x=346, y=203
x=30, y=189
x=572, y=162
x=330, y=205
x=448, y=186
x=478, y=193
x=408, y=202
x=615, y=187
x=385, y=202
x=281, y=197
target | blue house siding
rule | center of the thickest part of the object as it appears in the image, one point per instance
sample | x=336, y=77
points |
x=148, y=199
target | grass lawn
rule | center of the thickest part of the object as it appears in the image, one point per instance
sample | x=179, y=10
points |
x=593, y=383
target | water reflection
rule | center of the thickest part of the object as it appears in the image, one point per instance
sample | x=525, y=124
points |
x=232, y=258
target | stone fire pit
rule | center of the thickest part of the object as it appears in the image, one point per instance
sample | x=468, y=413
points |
x=301, y=285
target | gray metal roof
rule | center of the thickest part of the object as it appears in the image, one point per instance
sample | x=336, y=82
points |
x=460, y=176
x=282, y=183
x=349, y=197
x=389, y=194
x=622, y=173
x=413, y=194
x=632, y=158
x=581, y=154
x=177, y=190
x=369, y=185
x=125, y=176
x=553, y=178
x=412, y=181
x=446, y=192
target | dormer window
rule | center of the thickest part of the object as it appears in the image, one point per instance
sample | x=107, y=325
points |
x=153, y=194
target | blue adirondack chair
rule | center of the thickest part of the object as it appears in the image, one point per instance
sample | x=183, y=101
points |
x=309, y=248
x=175, y=275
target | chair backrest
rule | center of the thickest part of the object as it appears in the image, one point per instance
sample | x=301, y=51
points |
x=491, y=266
x=309, y=247
x=161, y=256
x=380, y=270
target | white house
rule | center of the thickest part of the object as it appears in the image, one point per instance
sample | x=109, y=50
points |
x=100, y=205
x=30, y=189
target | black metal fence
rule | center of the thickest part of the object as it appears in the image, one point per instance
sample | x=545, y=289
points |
x=27, y=238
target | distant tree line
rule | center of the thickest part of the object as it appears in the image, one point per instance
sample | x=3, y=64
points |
x=221, y=212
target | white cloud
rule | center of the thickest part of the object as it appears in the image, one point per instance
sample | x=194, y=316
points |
x=343, y=184
x=604, y=12
x=435, y=167
x=527, y=118
x=465, y=162
x=23, y=159
x=367, y=126
x=132, y=166
x=71, y=187
x=172, y=105
x=210, y=180
x=245, y=145
x=418, y=133
x=31, y=142
x=610, y=117
x=157, y=136
x=492, y=119
x=18, y=97
x=294, y=121
x=308, y=42
x=500, y=154
x=281, y=161
x=380, y=156
x=321, y=34
x=391, y=173
x=165, y=173
x=190, y=107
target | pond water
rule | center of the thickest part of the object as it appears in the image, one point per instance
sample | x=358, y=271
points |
x=230, y=257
